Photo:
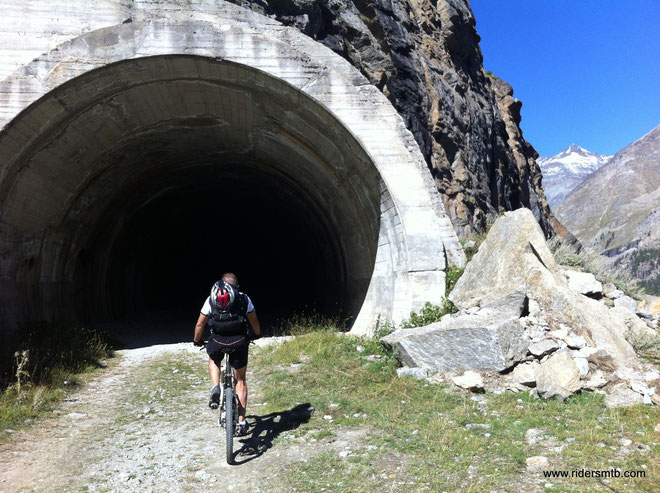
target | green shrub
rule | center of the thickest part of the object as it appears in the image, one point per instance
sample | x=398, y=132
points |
x=383, y=328
x=428, y=314
x=452, y=274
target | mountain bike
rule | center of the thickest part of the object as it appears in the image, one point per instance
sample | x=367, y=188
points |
x=228, y=399
x=228, y=405
x=228, y=402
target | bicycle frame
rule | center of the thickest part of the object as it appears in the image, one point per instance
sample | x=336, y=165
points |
x=227, y=380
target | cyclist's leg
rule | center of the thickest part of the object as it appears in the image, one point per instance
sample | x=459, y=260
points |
x=239, y=361
x=215, y=362
x=241, y=391
x=213, y=349
x=214, y=371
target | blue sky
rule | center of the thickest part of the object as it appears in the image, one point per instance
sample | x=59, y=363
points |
x=587, y=71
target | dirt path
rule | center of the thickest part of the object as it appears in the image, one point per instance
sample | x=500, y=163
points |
x=144, y=425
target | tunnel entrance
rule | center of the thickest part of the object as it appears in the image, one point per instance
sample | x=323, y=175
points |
x=132, y=178
x=210, y=220
x=167, y=171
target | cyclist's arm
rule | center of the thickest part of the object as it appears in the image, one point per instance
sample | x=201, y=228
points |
x=254, y=322
x=199, y=327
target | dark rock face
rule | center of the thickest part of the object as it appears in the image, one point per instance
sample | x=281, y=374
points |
x=425, y=57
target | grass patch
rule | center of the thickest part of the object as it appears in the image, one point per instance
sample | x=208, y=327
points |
x=306, y=322
x=328, y=472
x=48, y=363
x=441, y=439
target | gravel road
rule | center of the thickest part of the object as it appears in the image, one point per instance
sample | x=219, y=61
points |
x=143, y=425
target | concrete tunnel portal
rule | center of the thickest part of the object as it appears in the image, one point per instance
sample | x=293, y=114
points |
x=153, y=189
x=129, y=183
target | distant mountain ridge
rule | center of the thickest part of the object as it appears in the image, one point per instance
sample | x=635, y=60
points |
x=616, y=210
x=563, y=172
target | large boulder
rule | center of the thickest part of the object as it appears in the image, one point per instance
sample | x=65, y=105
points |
x=525, y=374
x=486, y=340
x=626, y=303
x=584, y=283
x=558, y=377
x=621, y=395
x=514, y=256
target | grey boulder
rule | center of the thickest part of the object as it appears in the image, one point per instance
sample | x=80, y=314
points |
x=479, y=341
x=627, y=303
x=583, y=283
x=558, y=377
x=470, y=380
x=620, y=395
x=525, y=374
x=543, y=347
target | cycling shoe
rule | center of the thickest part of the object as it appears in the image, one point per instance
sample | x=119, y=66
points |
x=214, y=401
x=241, y=429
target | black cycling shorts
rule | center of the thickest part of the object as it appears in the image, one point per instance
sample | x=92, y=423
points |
x=238, y=358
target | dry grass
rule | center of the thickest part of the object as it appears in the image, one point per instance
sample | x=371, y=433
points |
x=590, y=261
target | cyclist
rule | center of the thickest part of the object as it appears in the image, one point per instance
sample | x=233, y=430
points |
x=228, y=313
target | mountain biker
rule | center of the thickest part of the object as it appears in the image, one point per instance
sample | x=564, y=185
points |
x=228, y=313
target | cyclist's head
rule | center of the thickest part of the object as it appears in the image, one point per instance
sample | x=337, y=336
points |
x=223, y=295
x=231, y=278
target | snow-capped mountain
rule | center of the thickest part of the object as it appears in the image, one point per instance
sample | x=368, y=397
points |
x=616, y=210
x=563, y=172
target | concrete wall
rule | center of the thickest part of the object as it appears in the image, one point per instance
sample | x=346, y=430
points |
x=106, y=71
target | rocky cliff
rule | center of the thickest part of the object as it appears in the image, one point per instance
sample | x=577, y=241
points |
x=424, y=56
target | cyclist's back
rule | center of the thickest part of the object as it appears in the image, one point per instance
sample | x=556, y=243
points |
x=229, y=314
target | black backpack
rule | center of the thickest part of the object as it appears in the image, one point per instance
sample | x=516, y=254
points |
x=231, y=322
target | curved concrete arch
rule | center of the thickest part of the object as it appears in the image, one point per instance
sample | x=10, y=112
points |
x=83, y=139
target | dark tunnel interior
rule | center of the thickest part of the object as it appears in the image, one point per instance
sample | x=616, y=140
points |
x=282, y=247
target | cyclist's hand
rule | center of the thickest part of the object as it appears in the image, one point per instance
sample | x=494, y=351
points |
x=200, y=344
x=251, y=335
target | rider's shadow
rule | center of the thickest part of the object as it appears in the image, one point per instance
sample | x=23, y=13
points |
x=269, y=427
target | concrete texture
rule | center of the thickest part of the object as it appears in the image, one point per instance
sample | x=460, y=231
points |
x=108, y=105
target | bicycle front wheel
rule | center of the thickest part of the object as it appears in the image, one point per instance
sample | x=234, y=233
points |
x=230, y=410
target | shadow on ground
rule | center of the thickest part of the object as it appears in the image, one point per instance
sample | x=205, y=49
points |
x=267, y=428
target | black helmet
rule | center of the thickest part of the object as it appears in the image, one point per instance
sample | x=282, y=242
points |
x=223, y=295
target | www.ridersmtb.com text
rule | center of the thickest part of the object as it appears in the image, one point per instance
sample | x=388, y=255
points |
x=594, y=473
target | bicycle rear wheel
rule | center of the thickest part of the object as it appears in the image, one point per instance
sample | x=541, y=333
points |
x=229, y=423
